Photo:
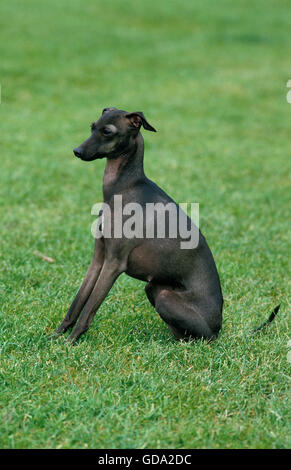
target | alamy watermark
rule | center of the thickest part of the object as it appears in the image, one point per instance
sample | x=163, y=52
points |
x=288, y=96
x=148, y=220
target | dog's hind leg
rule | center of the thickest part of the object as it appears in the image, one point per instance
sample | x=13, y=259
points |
x=85, y=289
x=183, y=317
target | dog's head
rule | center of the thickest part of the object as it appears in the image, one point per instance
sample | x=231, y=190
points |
x=112, y=135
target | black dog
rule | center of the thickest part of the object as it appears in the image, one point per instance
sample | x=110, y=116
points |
x=182, y=284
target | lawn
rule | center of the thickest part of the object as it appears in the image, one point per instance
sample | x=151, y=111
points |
x=211, y=78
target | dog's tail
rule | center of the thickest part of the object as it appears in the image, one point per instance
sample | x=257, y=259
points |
x=270, y=319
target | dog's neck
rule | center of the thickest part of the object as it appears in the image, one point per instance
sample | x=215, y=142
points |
x=124, y=171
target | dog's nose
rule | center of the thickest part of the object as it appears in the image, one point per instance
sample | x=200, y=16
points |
x=77, y=152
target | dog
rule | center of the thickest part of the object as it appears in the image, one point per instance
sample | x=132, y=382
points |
x=183, y=285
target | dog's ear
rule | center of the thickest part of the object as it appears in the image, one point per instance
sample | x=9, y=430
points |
x=137, y=119
x=105, y=110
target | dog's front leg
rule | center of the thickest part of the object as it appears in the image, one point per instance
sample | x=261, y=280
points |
x=85, y=289
x=108, y=275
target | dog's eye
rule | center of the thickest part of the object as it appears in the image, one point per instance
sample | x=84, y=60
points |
x=106, y=131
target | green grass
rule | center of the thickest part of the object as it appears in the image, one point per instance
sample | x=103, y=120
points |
x=211, y=77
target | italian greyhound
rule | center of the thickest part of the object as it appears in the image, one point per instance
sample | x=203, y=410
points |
x=182, y=284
